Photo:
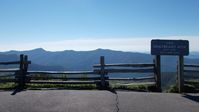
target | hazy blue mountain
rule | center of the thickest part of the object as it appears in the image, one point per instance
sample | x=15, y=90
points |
x=84, y=60
x=81, y=60
x=4, y=57
x=8, y=57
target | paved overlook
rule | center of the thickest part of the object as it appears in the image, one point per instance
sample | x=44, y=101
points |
x=96, y=101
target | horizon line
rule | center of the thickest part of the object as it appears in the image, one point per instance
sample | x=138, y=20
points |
x=148, y=52
x=87, y=44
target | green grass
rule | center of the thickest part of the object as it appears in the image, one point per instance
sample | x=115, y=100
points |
x=128, y=85
x=7, y=86
x=135, y=87
x=187, y=88
x=61, y=86
x=91, y=87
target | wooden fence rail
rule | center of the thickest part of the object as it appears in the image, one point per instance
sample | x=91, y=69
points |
x=191, y=65
x=10, y=70
x=127, y=70
x=67, y=78
x=14, y=63
x=10, y=63
x=134, y=79
x=63, y=72
x=126, y=65
x=192, y=71
x=62, y=82
x=188, y=76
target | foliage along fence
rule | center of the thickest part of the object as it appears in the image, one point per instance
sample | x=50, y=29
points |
x=99, y=76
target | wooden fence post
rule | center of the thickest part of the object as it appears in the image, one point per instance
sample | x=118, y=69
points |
x=180, y=74
x=158, y=72
x=25, y=69
x=20, y=74
x=102, y=71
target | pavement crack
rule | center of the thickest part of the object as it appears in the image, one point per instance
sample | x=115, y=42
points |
x=117, y=109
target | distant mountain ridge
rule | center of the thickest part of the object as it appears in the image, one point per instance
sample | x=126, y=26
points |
x=84, y=60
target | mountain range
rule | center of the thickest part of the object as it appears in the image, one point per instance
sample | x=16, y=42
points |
x=84, y=60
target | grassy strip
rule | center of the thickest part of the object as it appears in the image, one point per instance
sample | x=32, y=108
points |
x=112, y=85
x=140, y=87
x=61, y=86
x=187, y=88
x=129, y=85
x=7, y=86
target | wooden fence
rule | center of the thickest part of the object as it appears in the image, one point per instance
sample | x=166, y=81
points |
x=191, y=74
x=106, y=69
x=67, y=77
x=187, y=74
x=18, y=75
x=99, y=75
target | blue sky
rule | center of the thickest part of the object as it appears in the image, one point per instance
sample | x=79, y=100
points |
x=40, y=23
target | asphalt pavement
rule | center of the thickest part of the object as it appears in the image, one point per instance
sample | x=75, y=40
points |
x=96, y=101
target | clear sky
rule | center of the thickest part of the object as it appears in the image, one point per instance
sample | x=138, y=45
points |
x=114, y=24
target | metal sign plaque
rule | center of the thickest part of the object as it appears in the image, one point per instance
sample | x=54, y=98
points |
x=170, y=47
